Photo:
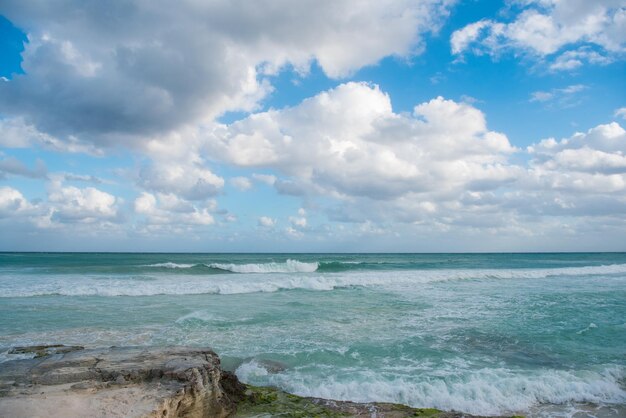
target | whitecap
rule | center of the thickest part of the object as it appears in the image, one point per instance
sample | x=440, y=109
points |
x=480, y=392
x=289, y=266
x=170, y=265
x=275, y=279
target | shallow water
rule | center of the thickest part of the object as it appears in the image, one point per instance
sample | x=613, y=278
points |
x=540, y=334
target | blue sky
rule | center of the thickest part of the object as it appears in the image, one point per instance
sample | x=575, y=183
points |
x=433, y=125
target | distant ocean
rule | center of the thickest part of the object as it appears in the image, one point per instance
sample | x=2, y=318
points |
x=538, y=334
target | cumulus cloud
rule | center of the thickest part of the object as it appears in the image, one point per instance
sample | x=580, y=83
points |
x=13, y=204
x=121, y=73
x=569, y=32
x=348, y=142
x=82, y=209
x=168, y=210
x=601, y=150
x=439, y=168
x=266, y=222
x=583, y=176
x=82, y=205
x=145, y=76
x=298, y=221
x=189, y=180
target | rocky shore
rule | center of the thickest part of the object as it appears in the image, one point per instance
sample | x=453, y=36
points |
x=69, y=381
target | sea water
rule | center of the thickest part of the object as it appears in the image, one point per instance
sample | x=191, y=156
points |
x=537, y=334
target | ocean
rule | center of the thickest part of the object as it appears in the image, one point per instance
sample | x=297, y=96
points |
x=537, y=334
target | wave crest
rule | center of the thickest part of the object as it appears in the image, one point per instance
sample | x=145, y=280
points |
x=170, y=265
x=496, y=391
x=185, y=284
x=289, y=266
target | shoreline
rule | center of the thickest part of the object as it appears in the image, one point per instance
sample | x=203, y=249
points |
x=71, y=381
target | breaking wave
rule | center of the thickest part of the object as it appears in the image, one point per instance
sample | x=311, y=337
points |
x=289, y=266
x=496, y=391
x=248, y=281
x=170, y=265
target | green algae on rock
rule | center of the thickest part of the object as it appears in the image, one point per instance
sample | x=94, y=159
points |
x=271, y=402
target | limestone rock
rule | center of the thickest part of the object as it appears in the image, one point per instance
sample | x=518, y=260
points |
x=118, y=382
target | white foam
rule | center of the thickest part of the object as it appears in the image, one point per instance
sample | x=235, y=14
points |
x=589, y=327
x=168, y=285
x=290, y=266
x=5, y=356
x=272, y=281
x=203, y=316
x=251, y=370
x=170, y=265
x=481, y=392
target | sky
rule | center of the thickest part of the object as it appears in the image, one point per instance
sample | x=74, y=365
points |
x=313, y=126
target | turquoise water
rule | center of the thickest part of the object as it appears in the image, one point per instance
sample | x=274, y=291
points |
x=539, y=334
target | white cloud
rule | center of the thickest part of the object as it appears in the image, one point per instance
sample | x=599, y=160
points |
x=570, y=60
x=348, y=142
x=601, y=150
x=560, y=97
x=621, y=112
x=12, y=203
x=462, y=38
x=440, y=168
x=268, y=179
x=266, y=222
x=189, y=180
x=583, y=175
x=541, y=96
x=16, y=133
x=86, y=205
x=549, y=27
x=120, y=74
x=293, y=232
x=298, y=222
x=79, y=210
x=168, y=210
x=241, y=183
x=229, y=217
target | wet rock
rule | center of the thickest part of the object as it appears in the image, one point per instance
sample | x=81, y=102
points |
x=45, y=350
x=272, y=402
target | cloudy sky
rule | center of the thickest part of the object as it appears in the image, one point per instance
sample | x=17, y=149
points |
x=326, y=125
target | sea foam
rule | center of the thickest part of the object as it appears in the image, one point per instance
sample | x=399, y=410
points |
x=482, y=392
x=274, y=279
x=170, y=265
x=290, y=266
